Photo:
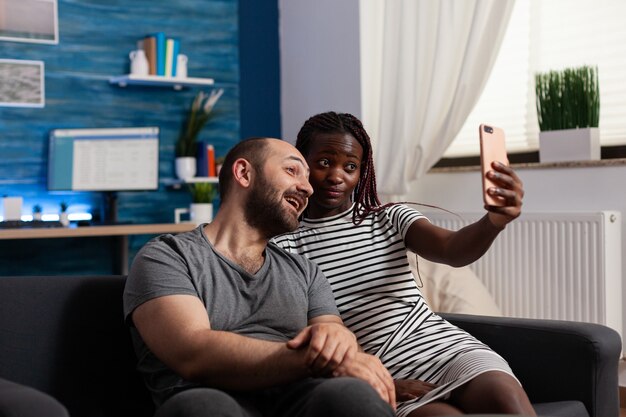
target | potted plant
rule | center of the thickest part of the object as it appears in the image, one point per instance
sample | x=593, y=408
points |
x=37, y=212
x=187, y=144
x=63, y=216
x=568, y=110
x=201, y=209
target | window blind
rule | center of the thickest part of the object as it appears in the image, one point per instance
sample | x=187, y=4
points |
x=551, y=35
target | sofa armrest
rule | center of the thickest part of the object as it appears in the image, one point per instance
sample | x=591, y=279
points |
x=555, y=360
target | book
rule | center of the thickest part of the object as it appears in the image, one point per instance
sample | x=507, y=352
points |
x=149, y=46
x=169, y=57
x=175, y=51
x=202, y=165
x=211, y=160
x=160, y=53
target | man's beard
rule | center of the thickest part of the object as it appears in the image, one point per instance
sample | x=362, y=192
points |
x=265, y=210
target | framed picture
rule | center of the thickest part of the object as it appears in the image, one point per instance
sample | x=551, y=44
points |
x=29, y=21
x=21, y=83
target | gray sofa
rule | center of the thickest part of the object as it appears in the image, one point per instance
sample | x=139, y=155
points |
x=65, y=336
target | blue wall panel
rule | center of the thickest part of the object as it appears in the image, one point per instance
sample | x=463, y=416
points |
x=95, y=39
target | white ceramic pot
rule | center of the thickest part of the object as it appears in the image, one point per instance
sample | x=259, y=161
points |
x=201, y=213
x=570, y=145
x=64, y=219
x=198, y=213
x=185, y=167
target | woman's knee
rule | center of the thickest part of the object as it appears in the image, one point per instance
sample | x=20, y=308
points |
x=200, y=402
x=493, y=391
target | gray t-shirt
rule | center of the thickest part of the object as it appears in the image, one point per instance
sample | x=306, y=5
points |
x=273, y=304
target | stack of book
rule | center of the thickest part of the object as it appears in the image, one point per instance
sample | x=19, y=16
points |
x=205, y=160
x=162, y=54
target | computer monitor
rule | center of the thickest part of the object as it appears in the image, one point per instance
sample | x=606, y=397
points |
x=108, y=160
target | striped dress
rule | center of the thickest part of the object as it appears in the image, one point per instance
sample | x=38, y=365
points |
x=380, y=302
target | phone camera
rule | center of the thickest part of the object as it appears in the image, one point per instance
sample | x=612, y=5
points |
x=488, y=129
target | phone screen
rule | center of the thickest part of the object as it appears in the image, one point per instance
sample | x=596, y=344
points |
x=492, y=148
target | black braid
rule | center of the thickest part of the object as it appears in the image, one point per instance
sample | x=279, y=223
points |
x=365, y=194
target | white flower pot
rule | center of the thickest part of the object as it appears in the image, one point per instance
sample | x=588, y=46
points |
x=185, y=167
x=64, y=219
x=198, y=213
x=569, y=145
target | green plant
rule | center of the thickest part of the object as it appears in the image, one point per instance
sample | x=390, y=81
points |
x=200, y=113
x=63, y=206
x=568, y=99
x=37, y=208
x=202, y=192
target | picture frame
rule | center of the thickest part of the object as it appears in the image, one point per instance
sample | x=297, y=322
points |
x=22, y=83
x=34, y=21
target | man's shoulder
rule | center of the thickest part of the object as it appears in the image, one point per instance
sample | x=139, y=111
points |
x=280, y=252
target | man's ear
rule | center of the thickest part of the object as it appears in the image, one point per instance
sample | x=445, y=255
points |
x=242, y=172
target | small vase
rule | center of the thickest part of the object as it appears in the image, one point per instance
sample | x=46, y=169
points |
x=64, y=219
x=185, y=167
x=581, y=144
x=201, y=213
x=198, y=213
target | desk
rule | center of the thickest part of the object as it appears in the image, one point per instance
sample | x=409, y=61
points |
x=120, y=231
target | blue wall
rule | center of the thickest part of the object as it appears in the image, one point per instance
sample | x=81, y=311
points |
x=259, y=63
x=95, y=38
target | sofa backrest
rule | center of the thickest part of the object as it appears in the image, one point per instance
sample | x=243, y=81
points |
x=66, y=336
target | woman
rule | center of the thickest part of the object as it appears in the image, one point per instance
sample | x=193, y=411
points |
x=361, y=246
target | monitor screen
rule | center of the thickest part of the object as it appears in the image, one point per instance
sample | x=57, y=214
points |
x=114, y=159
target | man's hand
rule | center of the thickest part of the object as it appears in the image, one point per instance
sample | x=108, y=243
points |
x=510, y=188
x=408, y=389
x=370, y=369
x=329, y=345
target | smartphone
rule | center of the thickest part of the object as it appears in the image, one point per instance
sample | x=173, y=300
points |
x=492, y=148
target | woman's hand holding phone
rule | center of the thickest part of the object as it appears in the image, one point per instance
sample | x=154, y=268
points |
x=502, y=189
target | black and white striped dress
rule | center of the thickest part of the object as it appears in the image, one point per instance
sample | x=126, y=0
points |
x=380, y=302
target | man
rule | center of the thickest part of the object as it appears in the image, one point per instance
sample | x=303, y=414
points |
x=226, y=325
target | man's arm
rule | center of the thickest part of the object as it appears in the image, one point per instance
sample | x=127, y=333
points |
x=334, y=351
x=177, y=330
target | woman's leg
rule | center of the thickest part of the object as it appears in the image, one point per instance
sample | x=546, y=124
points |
x=436, y=408
x=493, y=392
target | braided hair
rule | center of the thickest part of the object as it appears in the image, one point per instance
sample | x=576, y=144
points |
x=365, y=196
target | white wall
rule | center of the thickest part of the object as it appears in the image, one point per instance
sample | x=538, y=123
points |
x=548, y=189
x=320, y=71
x=319, y=60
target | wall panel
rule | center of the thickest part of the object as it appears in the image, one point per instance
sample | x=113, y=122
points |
x=95, y=39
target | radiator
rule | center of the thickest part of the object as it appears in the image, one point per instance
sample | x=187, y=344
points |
x=564, y=266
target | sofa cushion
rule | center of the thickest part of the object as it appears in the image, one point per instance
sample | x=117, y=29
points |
x=561, y=409
x=66, y=336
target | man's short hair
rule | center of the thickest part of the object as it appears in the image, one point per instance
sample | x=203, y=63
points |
x=254, y=150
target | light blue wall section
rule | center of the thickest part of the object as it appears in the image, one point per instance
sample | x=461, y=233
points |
x=95, y=39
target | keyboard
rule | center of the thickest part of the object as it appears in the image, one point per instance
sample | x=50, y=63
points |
x=34, y=224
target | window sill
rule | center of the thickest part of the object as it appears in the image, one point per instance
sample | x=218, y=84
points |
x=611, y=156
x=533, y=165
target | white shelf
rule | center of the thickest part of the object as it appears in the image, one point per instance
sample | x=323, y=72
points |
x=212, y=180
x=176, y=183
x=160, y=81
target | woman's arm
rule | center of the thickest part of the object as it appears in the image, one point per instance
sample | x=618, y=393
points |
x=466, y=245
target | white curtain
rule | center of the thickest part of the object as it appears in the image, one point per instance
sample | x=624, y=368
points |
x=424, y=64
